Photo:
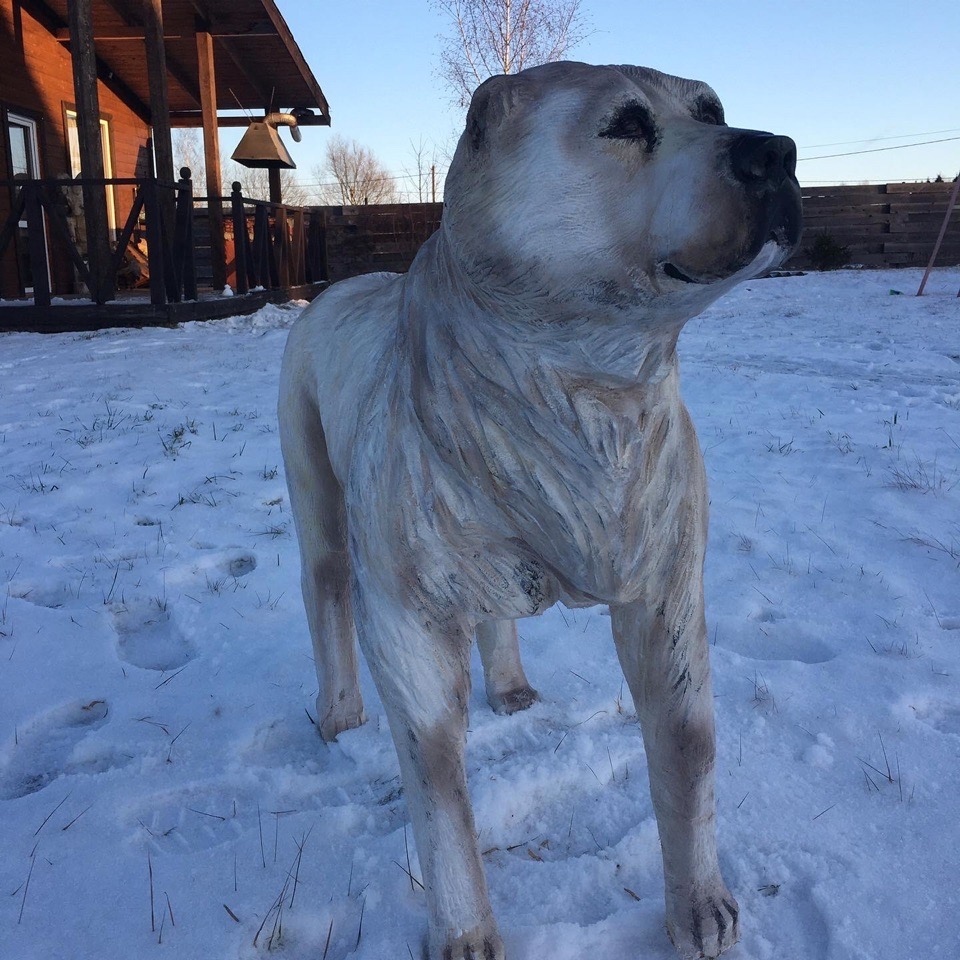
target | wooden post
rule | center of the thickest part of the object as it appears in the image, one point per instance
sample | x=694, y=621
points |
x=240, y=241
x=37, y=247
x=83, y=56
x=157, y=80
x=298, y=247
x=156, y=255
x=211, y=156
x=160, y=132
x=184, y=251
x=276, y=192
x=263, y=264
x=282, y=246
x=943, y=231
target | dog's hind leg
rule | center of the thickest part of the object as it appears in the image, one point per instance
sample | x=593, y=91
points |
x=316, y=499
x=424, y=682
x=508, y=689
x=665, y=658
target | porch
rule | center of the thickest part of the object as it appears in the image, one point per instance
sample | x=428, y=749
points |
x=176, y=257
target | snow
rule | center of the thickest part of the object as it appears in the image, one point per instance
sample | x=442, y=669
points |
x=155, y=673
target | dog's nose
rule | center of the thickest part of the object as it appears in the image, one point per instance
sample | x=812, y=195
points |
x=763, y=159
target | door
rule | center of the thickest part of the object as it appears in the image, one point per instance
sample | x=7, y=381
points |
x=24, y=158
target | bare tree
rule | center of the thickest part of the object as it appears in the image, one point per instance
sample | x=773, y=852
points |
x=255, y=184
x=421, y=180
x=351, y=175
x=188, y=152
x=489, y=37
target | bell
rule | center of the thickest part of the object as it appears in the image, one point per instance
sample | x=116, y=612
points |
x=261, y=146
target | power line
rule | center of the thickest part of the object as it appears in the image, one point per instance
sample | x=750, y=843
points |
x=856, y=153
x=400, y=176
x=899, y=136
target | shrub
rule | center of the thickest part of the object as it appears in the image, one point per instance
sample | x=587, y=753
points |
x=826, y=253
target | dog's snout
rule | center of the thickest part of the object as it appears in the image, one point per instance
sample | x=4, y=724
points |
x=763, y=159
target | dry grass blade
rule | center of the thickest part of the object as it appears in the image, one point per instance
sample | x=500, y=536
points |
x=153, y=916
x=296, y=864
x=363, y=905
x=275, y=911
x=822, y=812
x=406, y=850
x=203, y=813
x=172, y=676
x=263, y=858
x=51, y=813
x=26, y=886
x=413, y=879
x=175, y=739
x=76, y=818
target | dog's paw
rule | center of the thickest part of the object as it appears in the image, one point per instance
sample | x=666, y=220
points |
x=347, y=714
x=706, y=926
x=482, y=943
x=512, y=701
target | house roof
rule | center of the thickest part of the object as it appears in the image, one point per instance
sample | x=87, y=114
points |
x=259, y=67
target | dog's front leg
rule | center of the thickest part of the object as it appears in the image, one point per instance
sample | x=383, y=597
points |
x=665, y=658
x=422, y=674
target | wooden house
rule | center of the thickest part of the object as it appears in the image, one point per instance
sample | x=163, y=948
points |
x=90, y=203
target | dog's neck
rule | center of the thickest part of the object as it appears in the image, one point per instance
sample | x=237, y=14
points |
x=616, y=349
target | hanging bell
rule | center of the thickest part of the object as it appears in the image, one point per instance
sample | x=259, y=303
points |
x=261, y=146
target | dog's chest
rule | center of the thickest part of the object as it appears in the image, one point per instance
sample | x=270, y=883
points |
x=503, y=499
x=580, y=496
x=585, y=477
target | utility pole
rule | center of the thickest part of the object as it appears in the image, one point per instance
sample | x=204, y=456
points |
x=433, y=182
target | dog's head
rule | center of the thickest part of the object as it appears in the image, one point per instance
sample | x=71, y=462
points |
x=616, y=185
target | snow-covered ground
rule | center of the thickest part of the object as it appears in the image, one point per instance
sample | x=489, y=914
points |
x=163, y=791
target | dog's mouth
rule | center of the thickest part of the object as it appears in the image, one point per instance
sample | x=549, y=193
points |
x=776, y=246
x=675, y=273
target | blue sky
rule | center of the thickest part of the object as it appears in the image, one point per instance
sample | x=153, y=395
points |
x=825, y=73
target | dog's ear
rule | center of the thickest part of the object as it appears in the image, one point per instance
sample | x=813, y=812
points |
x=491, y=102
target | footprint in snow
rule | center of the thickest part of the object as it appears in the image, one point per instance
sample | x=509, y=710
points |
x=148, y=637
x=187, y=821
x=240, y=565
x=42, y=751
x=943, y=717
x=51, y=595
x=769, y=644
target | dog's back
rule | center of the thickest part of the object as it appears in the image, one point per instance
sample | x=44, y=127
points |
x=335, y=360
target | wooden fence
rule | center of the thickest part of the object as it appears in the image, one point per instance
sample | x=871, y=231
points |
x=378, y=237
x=886, y=225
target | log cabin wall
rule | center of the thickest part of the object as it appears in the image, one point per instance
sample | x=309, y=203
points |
x=36, y=81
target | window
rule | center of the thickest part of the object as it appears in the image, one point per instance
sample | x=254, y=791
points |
x=73, y=146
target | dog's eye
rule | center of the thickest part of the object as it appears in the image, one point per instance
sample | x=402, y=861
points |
x=708, y=110
x=633, y=121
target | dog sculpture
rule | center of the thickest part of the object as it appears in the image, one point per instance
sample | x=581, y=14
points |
x=502, y=428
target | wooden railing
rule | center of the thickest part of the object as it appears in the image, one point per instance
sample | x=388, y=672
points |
x=159, y=214
x=275, y=246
